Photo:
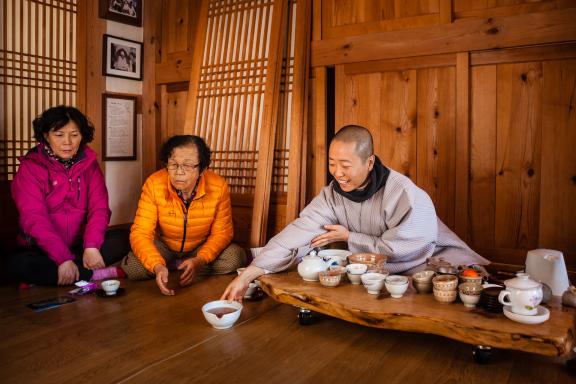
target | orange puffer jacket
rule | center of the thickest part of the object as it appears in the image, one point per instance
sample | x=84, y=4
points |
x=163, y=215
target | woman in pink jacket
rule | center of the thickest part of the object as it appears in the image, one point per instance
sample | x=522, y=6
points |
x=62, y=202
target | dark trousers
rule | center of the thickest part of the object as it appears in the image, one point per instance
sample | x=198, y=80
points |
x=31, y=265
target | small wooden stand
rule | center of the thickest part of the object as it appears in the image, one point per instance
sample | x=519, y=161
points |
x=422, y=313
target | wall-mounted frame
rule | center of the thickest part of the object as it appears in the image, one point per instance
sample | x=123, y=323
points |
x=122, y=58
x=122, y=11
x=119, y=127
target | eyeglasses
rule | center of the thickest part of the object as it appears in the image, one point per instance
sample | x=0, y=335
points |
x=183, y=167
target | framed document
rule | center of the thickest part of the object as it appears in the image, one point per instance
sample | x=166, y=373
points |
x=119, y=127
x=122, y=58
x=122, y=11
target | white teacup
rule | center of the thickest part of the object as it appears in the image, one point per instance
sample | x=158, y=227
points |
x=110, y=287
x=522, y=294
x=396, y=285
x=373, y=282
x=250, y=290
x=355, y=271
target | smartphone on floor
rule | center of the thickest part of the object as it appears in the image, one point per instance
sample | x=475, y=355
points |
x=50, y=303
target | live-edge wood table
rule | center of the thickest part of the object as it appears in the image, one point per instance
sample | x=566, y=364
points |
x=422, y=313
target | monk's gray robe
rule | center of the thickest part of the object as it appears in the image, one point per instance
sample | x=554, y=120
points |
x=398, y=221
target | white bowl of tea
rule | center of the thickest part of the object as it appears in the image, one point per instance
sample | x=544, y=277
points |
x=222, y=314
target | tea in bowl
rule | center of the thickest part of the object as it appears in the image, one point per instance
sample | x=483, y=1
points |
x=396, y=285
x=110, y=287
x=222, y=314
x=330, y=278
x=355, y=271
x=374, y=282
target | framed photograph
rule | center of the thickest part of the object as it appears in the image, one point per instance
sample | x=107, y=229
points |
x=119, y=127
x=122, y=11
x=122, y=58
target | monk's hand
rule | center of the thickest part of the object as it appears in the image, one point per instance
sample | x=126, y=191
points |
x=162, y=279
x=92, y=259
x=236, y=290
x=190, y=268
x=335, y=233
x=68, y=273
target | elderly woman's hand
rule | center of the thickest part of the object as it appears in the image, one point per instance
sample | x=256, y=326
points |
x=92, y=259
x=190, y=268
x=68, y=273
x=162, y=279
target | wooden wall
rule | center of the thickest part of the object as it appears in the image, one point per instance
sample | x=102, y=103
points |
x=474, y=101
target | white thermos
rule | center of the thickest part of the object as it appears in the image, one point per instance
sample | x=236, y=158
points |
x=547, y=266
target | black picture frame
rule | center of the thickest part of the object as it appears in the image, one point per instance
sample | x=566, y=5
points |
x=122, y=58
x=121, y=11
x=119, y=127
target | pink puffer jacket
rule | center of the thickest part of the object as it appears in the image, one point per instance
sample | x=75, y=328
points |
x=60, y=209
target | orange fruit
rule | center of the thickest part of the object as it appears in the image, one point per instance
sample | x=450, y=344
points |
x=469, y=272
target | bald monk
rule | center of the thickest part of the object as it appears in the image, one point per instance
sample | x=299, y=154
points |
x=370, y=207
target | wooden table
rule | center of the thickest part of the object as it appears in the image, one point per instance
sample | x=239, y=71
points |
x=422, y=313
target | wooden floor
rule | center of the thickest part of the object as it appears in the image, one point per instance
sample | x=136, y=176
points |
x=146, y=337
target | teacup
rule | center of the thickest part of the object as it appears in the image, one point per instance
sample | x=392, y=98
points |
x=373, y=282
x=355, y=271
x=522, y=294
x=335, y=256
x=251, y=289
x=396, y=285
x=110, y=287
x=470, y=294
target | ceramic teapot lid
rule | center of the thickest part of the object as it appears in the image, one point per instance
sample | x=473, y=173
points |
x=522, y=281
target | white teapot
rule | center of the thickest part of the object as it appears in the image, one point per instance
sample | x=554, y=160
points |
x=523, y=293
x=311, y=265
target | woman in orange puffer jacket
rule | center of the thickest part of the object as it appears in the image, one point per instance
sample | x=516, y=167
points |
x=184, y=219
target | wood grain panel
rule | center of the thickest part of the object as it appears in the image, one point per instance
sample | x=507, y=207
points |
x=558, y=182
x=396, y=146
x=482, y=156
x=177, y=17
x=437, y=138
x=518, y=143
x=466, y=35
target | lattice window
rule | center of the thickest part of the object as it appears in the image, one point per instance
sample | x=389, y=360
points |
x=37, y=69
x=231, y=92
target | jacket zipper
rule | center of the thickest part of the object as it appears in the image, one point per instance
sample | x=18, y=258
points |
x=185, y=210
x=78, y=198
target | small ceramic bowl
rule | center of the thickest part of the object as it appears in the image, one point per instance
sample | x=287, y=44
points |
x=374, y=282
x=445, y=296
x=338, y=268
x=396, y=285
x=251, y=289
x=335, y=256
x=424, y=276
x=222, y=314
x=422, y=287
x=471, y=279
x=329, y=278
x=371, y=259
x=355, y=271
x=445, y=283
x=110, y=286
